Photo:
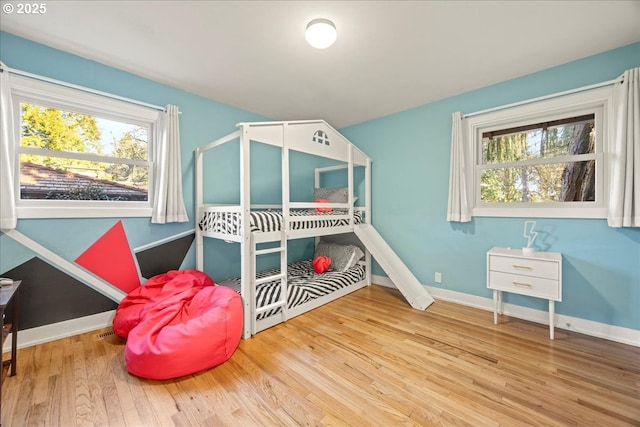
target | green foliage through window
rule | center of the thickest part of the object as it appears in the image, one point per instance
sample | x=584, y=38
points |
x=544, y=162
x=67, y=155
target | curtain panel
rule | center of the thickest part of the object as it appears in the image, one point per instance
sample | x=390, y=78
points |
x=8, y=214
x=624, y=153
x=168, y=205
x=459, y=208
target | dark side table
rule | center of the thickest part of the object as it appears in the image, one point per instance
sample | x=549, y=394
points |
x=9, y=295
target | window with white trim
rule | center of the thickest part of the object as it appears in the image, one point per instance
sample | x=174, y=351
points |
x=79, y=154
x=545, y=159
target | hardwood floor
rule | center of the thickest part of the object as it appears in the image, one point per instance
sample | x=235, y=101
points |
x=367, y=359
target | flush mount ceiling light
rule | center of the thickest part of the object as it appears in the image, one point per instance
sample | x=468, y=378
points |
x=321, y=33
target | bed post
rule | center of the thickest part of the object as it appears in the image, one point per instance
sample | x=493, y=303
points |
x=198, y=191
x=367, y=212
x=246, y=281
x=284, y=281
x=350, y=184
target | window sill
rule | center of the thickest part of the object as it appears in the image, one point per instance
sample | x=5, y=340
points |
x=83, y=212
x=542, y=212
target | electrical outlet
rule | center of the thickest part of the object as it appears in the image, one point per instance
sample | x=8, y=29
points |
x=438, y=278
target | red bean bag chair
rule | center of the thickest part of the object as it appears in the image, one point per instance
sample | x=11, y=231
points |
x=177, y=324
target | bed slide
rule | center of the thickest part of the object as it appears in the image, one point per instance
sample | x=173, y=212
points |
x=400, y=275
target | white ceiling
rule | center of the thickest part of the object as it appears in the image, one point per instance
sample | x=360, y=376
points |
x=389, y=56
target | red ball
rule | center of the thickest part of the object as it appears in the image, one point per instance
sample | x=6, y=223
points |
x=323, y=209
x=321, y=263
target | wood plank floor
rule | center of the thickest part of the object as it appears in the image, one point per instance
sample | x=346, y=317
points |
x=367, y=359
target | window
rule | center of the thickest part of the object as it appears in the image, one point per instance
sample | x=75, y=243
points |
x=80, y=154
x=543, y=162
x=545, y=159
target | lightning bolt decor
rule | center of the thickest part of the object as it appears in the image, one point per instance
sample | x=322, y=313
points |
x=530, y=235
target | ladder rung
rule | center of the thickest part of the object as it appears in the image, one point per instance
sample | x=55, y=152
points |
x=269, y=307
x=269, y=278
x=269, y=251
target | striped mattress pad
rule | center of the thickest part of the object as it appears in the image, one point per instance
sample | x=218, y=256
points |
x=304, y=284
x=231, y=223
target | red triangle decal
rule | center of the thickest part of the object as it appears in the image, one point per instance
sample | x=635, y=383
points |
x=110, y=258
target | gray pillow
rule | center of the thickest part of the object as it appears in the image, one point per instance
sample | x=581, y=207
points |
x=333, y=195
x=343, y=257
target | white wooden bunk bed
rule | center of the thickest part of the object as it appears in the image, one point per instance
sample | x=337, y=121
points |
x=276, y=295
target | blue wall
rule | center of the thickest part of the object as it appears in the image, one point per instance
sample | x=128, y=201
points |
x=410, y=152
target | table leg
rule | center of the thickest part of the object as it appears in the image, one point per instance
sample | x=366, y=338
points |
x=14, y=334
x=551, y=317
x=495, y=306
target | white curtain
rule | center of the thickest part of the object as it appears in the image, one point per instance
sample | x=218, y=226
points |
x=624, y=199
x=8, y=216
x=168, y=203
x=459, y=209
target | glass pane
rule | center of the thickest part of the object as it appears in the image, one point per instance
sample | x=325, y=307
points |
x=67, y=131
x=58, y=178
x=565, y=137
x=555, y=182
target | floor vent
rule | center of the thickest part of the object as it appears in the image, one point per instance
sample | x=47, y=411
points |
x=103, y=335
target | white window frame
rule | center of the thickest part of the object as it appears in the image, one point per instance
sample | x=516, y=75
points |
x=595, y=101
x=24, y=89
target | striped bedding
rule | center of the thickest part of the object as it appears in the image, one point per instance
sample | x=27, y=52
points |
x=230, y=223
x=304, y=284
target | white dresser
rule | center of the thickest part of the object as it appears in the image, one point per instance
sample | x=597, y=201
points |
x=538, y=275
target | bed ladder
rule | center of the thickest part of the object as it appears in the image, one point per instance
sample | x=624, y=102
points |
x=281, y=302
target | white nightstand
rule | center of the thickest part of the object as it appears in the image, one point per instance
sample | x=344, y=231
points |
x=538, y=275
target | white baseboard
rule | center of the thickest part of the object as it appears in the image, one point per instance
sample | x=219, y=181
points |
x=583, y=326
x=55, y=331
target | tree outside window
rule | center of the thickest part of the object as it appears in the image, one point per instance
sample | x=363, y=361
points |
x=543, y=162
x=102, y=159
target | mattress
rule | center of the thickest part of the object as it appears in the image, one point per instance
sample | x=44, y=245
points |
x=304, y=284
x=231, y=222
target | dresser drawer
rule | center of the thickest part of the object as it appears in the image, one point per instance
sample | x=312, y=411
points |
x=524, y=266
x=525, y=285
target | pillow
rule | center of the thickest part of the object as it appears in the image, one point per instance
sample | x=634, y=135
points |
x=343, y=257
x=334, y=195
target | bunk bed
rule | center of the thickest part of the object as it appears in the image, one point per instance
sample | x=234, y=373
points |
x=273, y=296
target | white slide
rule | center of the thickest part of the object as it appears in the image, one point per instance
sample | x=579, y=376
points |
x=398, y=272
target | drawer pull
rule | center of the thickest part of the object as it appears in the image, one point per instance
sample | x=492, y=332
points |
x=522, y=267
x=522, y=285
